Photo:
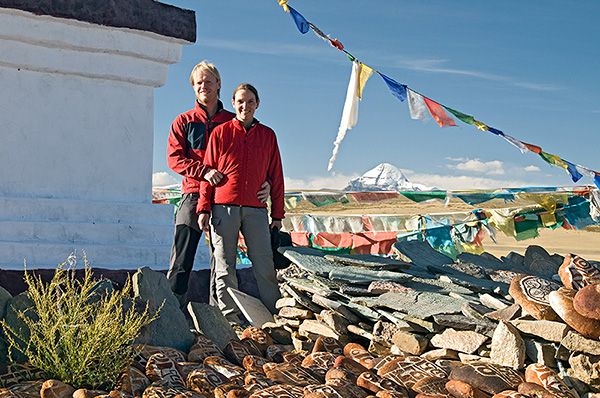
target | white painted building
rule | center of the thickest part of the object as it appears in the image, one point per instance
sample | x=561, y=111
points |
x=76, y=131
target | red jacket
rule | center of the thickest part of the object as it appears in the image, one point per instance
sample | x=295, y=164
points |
x=187, y=143
x=246, y=159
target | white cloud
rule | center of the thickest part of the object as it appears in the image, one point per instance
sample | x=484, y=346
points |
x=334, y=181
x=494, y=167
x=162, y=179
x=438, y=66
x=463, y=182
x=532, y=168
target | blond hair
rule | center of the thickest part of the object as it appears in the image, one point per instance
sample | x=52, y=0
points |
x=211, y=68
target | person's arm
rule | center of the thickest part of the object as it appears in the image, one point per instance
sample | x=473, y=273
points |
x=207, y=189
x=177, y=159
x=275, y=174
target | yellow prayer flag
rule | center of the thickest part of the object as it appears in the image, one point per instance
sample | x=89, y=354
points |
x=547, y=200
x=548, y=219
x=364, y=73
x=473, y=249
x=480, y=125
x=283, y=3
x=558, y=161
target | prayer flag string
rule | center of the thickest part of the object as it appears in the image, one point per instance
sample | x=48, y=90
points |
x=420, y=106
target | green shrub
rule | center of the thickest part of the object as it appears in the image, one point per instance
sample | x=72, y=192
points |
x=75, y=334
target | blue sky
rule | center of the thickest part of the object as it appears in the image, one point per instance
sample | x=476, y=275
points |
x=528, y=68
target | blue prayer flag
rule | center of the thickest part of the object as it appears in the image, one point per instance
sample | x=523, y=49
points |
x=397, y=89
x=497, y=132
x=573, y=172
x=301, y=23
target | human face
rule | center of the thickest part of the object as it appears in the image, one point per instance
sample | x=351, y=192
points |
x=245, y=103
x=206, y=87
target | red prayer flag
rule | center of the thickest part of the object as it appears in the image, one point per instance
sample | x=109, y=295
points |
x=438, y=113
x=533, y=148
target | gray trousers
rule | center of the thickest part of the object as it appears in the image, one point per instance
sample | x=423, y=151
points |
x=226, y=223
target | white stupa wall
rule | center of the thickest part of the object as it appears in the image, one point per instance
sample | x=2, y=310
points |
x=76, y=136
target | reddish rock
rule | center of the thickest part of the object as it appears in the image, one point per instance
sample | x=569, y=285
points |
x=255, y=363
x=321, y=391
x=562, y=302
x=488, y=377
x=460, y=389
x=340, y=373
x=587, y=301
x=534, y=390
x=406, y=371
x=432, y=386
x=224, y=367
x=350, y=364
x=347, y=389
x=510, y=394
x=575, y=272
x=235, y=351
x=161, y=367
x=205, y=380
x=274, y=353
x=257, y=334
x=56, y=389
x=531, y=293
x=202, y=348
x=294, y=374
x=133, y=380
x=328, y=344
x=378, y=362
x=358, y=353
x=289, y=391
x=319, y=362
x=547, y=378
x=370, y=381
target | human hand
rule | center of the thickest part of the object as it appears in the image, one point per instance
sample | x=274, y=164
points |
x=203, y=222
x=276, y=224
x=264, y=193
x=213, y=177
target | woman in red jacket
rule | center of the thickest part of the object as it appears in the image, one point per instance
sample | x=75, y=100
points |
x=245, y=152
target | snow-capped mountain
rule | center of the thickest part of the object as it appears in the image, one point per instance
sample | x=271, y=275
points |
x=384, y=177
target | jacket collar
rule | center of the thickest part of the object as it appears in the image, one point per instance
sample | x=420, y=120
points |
x=240, y=125
x=202, y=108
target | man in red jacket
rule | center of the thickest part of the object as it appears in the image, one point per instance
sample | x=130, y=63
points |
x=185, y=155
x=246, y=153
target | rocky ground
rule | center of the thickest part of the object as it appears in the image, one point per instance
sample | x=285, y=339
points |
x=417, y=326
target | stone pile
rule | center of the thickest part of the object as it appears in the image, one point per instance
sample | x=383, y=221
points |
x=514, y=312
x=421, y=326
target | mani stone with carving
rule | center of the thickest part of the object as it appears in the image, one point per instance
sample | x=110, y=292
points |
x=531, y=293
x=575, y=272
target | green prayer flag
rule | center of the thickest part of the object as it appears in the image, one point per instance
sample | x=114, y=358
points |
x=461, y=116
x=419, y=197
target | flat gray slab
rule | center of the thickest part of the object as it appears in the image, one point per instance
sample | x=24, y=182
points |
x=314, y=261
x=421, y=253
x=209, y=321
x=367, y=261
x=253, y=309
x=476, y=284
x=436, y=286
x=310, y=286
x=418, y=304
x=486, y=262
x=360, y=275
